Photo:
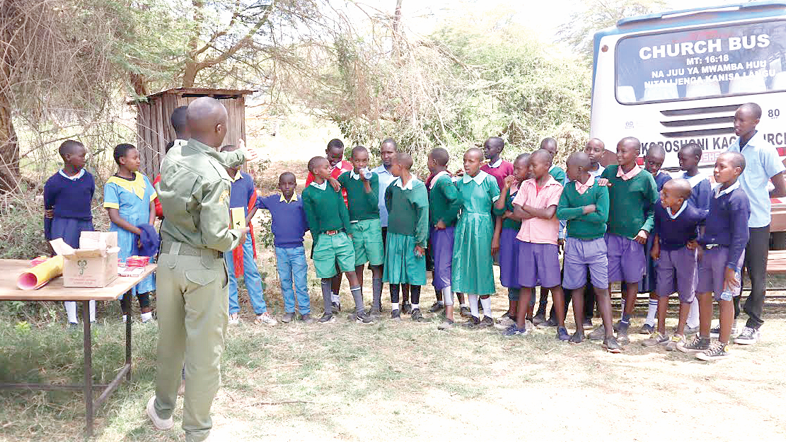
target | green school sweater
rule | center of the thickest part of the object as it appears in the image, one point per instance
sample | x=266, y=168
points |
x=507, y=223
x=558, y=174
x=362, y=205
x=571, y=209
x=444, y=202
x=630, y=202
x=408, y=210
x=325, y=210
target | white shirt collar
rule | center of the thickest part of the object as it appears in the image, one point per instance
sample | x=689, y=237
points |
x=437, y=177
x=682, y=208
x=353, y=175
x=75, y=177
x=719, y=193
x=496, y=163
x=409, y=185
x=693, y=180
x=322, y=186
x=479, y=178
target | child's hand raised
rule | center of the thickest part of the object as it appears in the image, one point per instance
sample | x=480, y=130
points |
x=509, y=180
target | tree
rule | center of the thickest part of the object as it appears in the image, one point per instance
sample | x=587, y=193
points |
x=475, y=77
x=592, y=16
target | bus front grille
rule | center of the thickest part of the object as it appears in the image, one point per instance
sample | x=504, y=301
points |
x=708, y=121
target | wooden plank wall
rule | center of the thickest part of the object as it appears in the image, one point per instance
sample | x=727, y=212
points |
x=154, y=129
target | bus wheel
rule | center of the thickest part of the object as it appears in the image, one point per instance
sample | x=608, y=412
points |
x=778, y=240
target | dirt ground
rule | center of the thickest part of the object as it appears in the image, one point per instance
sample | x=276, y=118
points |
x=408, y=381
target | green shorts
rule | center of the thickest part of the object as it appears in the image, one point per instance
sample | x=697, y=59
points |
x=331, y=249
x=367, y=240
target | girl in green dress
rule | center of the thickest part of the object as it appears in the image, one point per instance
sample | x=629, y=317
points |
x=405, y=256
x=472, y=255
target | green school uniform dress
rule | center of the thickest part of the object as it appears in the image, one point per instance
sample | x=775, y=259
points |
x=364, y=224
x=407, y=227
x=473, y=271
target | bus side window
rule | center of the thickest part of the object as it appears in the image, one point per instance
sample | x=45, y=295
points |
x=661, y=91
x=747, y=85
x=626, y=94
x=779, y=82
x=702, y=89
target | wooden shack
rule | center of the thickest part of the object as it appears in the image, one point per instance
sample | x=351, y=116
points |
x=154, y=130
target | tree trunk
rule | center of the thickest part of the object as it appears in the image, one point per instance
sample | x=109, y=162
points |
x=9, y=148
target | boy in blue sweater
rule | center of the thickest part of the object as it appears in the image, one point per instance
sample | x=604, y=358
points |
x=67, y=206
x=724, y=239
x=674, y=248
x=289, y=227
x=241, y=261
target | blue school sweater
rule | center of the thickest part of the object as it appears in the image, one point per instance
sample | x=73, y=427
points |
x=242, y=189
x=289, y=220
x=675, y=233
x=701, y=191
x=70, y=198
x=727, y=222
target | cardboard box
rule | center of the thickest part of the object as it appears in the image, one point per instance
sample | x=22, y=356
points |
x=93, y=264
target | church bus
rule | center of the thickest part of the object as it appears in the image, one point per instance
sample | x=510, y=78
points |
x=677, y=77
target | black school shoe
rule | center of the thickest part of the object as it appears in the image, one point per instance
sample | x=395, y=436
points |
x=464, y=312
x=326, y=318
x=487, y=321
x=336, y=308
x=395, y=315
x=436, y=307
x=473, y=322
x=363, y=318
x=577, y=338
x=611, y=345
x=406, y=308
x=416, y=315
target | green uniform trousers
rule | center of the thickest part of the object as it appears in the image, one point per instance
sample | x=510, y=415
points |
x=192, y=301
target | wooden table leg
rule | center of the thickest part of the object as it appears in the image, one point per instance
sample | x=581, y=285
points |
x=88, y=344
x=127, y=307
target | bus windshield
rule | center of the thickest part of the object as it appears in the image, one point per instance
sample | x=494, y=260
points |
x=738, y=59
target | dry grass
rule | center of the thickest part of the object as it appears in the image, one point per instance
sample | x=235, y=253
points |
x=409, y=381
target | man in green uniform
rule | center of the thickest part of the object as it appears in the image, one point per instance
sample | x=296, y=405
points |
x=192, y=278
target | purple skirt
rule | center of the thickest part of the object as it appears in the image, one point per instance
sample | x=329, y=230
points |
x=509, y=258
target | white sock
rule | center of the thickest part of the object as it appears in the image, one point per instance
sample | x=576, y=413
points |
x=70, y=307
x=415, y=306
x=486, y=304
x=440, y=302
x=693, y=314
x=622, y=305
x=335, y=298
x=473, y=305
x=125, y=318
x=92, y=311
x=464, y=305
x=394, y=305
x=652, y=310
x=147, y=316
